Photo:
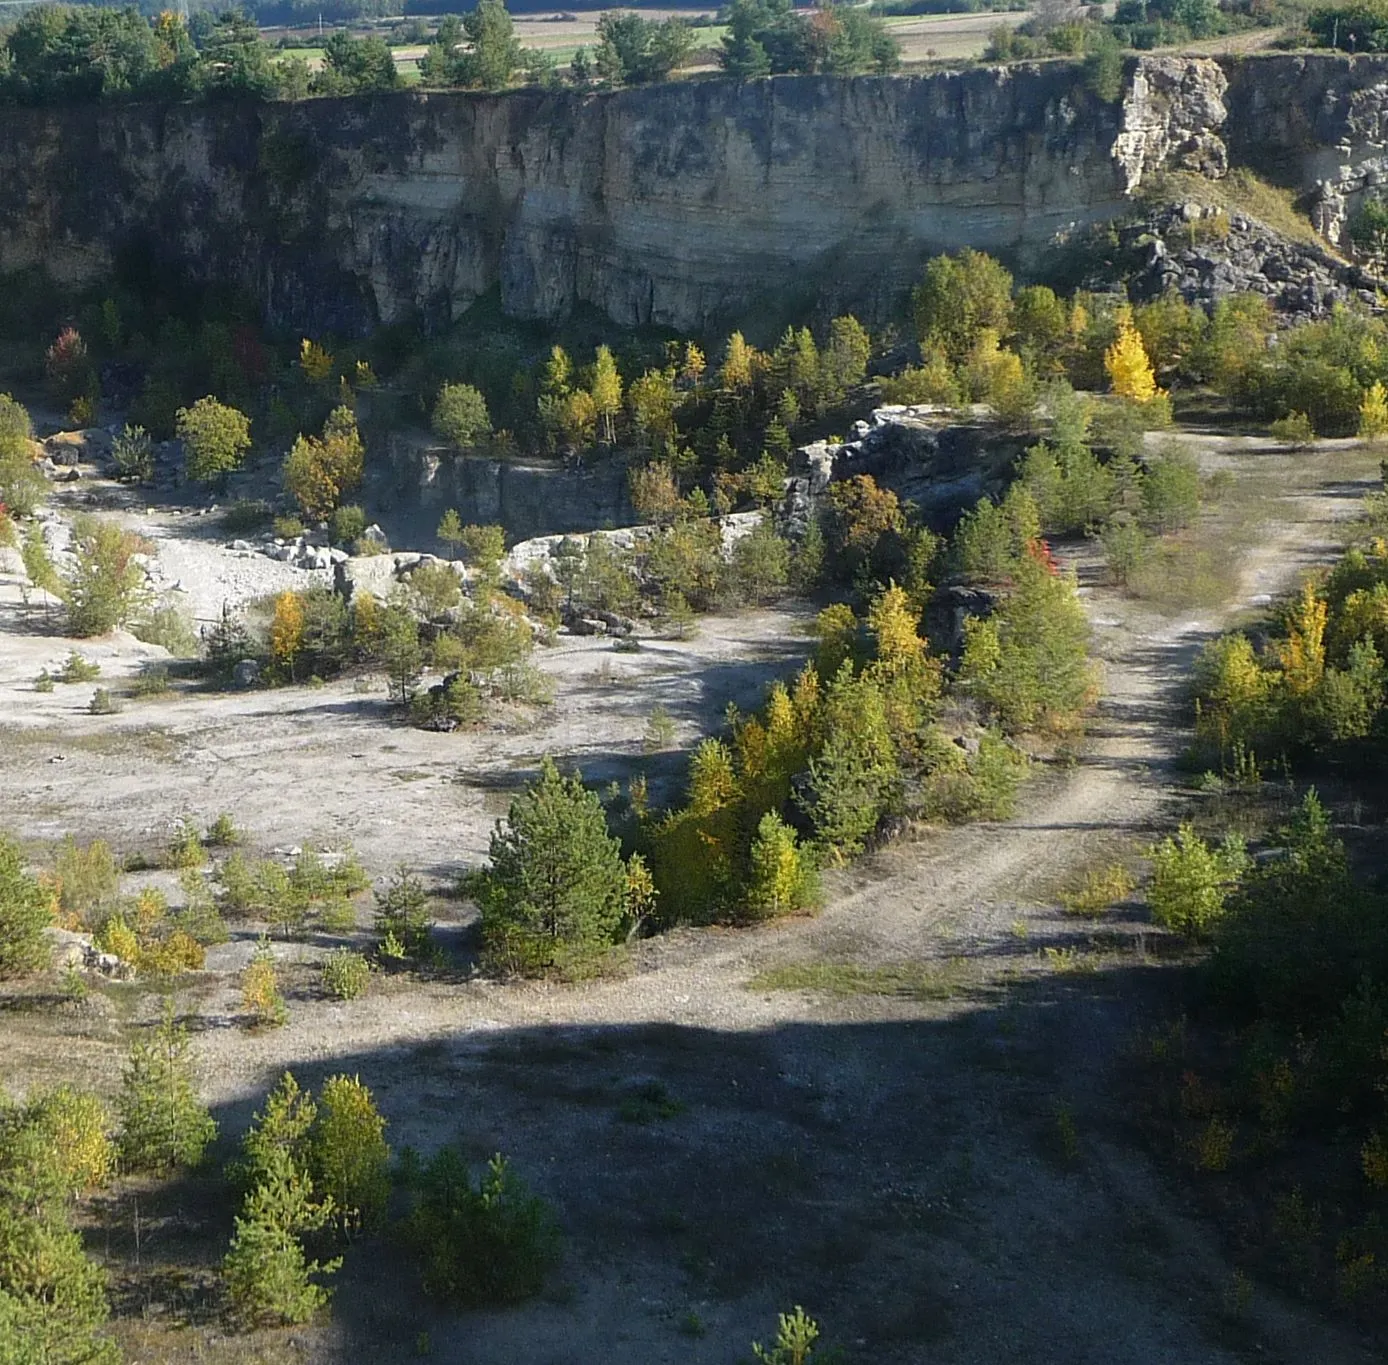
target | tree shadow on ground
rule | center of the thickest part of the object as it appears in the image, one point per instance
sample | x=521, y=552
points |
x=907, y=1178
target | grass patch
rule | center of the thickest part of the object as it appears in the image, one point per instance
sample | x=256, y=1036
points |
x=904, y=980
x=1099, y=889
x=1240, y=192
x=649, y=1103
x=1182, y=572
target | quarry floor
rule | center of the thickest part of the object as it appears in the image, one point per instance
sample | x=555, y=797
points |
x=889, y=1160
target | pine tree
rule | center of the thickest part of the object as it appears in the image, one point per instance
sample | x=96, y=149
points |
x=52, y=1298
x=1029, y=660
x=779, y=881
x=552, y=897
x=281, y=1126
x=163, y=1123
x=25, y=912
x=348, y=1155
x=267, y=1275
x=855, y=776
x=451, y=531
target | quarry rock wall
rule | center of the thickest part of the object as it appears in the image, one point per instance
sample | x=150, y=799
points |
x=679, y=205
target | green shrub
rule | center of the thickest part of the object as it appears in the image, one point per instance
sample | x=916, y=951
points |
x=133, y=454
x=484, y=1244
x=245, y=517
x=553, y=895
x=346, y=974
x=348, y=1156
x=166, y=624
x=24, y=915
x=1301, y=936
x=77, y=669
x=346, y=524
x=185, y=846
x=215, y=439
x=163, y=1124
x=222, y=832
x=1294, y=430
x=23, y=489
x=460, y=415
x=86, y=878
x=287, y=527
x=102, y=703
x=151, y=681
x=106, y=584
x=1192, y=881
x=1171, y=490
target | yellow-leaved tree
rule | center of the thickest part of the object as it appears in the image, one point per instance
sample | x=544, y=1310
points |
x=737, y=364
x=1126, y=362
x=1302, y=654
x=1373, y=413
x=287, y=630
x=607, y=392
x=319, y=472
x=315, y=361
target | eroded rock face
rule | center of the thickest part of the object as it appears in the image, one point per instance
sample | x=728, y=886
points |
x=685, y=205
x=674, y=204
x=1173, y=115
x=1317, y=123
x=1180, y=253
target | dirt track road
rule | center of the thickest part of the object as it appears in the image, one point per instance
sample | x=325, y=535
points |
x=889, y=1161
x=941, y=1110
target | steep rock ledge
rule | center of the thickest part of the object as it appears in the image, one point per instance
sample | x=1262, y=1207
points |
x=683, y=205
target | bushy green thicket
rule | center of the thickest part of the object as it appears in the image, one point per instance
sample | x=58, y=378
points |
x=856, y=739
x=53, y=1305
x=1316, y=683
x=481, y=1243
x=312, y=892
x=1292, y=1099
x=1298, y=964
x=26, y=910
x=306, y=1167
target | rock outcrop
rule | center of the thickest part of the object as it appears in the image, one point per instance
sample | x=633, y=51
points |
x=1205, y=256
x=1173, y=117
x=676, y=204
x=685, y=205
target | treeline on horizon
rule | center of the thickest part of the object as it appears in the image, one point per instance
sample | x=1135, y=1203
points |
x=59, y=54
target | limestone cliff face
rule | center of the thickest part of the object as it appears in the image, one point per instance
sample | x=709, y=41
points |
x=681, y=205
x=1173, y=115
x=1317, y=123
x=674, y=204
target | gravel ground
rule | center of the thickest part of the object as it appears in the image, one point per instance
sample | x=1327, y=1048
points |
x=888, y=1161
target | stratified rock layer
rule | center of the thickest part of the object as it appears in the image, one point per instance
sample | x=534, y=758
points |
x=682, y=205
